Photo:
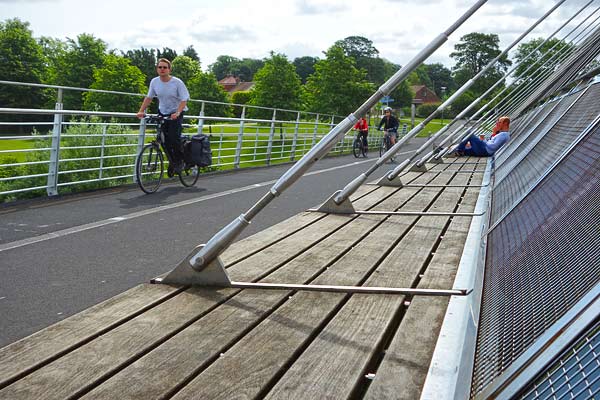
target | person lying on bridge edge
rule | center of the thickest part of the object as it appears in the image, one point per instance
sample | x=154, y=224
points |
x=474, y=146
x=172, y=97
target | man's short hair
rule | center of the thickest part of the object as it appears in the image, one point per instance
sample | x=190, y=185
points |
x=165, y=61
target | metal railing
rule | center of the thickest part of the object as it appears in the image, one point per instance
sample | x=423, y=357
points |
x=81, y=150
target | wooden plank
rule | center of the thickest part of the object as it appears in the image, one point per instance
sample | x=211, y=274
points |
x=171, y=364
x=40, y=348
x=246, y=368
x=402, y=373
x=361, y=326
x=135, y=339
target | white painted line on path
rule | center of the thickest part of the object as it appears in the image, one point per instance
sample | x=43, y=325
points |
x=114, y=220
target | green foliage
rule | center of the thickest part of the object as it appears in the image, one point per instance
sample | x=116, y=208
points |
x=191, y=53
x=116, y=74
x=420, y=76
x=337, y=86
x=540, y=60
x=425, y=110
x=462, y=102
x=305, y=66
x=472, y=55
x=366, y=57
x=402, y=95
x=243, y=69
x=185, y=68
x=22, y=60
x=440, y=76
x=242, y=97
x=145, y=60
x=277, y=85
x=167, y=53
x=205, y=86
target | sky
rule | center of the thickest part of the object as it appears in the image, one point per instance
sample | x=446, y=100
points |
x=399, y=29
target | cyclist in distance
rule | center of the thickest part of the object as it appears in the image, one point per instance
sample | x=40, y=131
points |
x=363, y=131
x=390, y=124
x=172, y=102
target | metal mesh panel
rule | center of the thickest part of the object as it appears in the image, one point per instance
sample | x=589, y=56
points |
x=576, y=374
x=540, y=155
x=539, y=126
x=541, y=259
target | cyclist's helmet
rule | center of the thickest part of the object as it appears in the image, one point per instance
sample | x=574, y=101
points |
x=387, y=109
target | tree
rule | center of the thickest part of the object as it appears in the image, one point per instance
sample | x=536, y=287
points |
x=277, y=85
x=366, y=57
x=167, y=53
x=305, y=66
x=116, y=74
x=402, y=94
x=22, y=61
x=420, y=77
x=337, y=86
x=440, y=76
x=472, y=54
x=185, y=68
x=145, y=60
x=204, y=86
x=191, y=53
x=225, y=65
x=540, y=57
x=77, y=64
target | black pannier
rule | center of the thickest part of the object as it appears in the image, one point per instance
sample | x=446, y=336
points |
x=197, y=151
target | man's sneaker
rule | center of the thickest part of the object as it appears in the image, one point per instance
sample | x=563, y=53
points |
x=170, y=171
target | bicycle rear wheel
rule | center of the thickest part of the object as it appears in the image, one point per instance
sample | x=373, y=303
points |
x=149, y=168
x=189, y=176
x=356, y=148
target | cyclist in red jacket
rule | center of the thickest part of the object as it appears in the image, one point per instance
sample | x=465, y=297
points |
x=363, y=131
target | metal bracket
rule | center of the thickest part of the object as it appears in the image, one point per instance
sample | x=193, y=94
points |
x=330, y=206
x=416, y=168
x=384, y=181
x=213, y=274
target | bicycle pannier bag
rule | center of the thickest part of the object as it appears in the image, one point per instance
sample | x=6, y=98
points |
x=201, y=155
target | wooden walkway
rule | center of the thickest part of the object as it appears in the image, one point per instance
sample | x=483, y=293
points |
x=158, y=341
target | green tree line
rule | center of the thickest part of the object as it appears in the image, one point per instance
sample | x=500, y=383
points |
x=347, y=74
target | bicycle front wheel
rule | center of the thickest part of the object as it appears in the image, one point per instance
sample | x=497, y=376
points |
x=189, y=176
x=382, y=147
x=149, y=168
x=356, y=148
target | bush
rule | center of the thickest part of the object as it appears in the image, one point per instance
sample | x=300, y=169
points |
x=425, y=110
x=242, y=97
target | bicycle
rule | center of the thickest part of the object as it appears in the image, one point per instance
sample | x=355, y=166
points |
x=150, y=161
x=386, y=143
x=359, y=145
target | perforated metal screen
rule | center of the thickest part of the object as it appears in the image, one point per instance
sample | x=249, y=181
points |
x=514, y=182
x=575, y=375
x=541, y=259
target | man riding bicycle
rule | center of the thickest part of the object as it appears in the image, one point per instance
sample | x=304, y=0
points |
x=172, y=102
x=390, y=124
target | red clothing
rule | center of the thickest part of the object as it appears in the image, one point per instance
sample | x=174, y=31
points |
x=362, y=125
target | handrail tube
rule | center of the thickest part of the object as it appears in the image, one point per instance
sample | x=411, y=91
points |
x=462, y=114
x=396, y=171
x=223, y=238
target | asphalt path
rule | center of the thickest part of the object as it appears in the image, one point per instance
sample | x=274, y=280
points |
x=62, y=255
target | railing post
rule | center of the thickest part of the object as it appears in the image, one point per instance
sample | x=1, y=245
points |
x=295, y=139
x=314, y=138
x=140, y=145
x=102, y=151
x=240, y=140
x=201, y=118
x=271, y=135
x=52, y=184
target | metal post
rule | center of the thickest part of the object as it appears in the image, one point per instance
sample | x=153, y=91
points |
x=314, y=138
x=140, y=145
x=240, y=140
x=201, y=118
x=52, y=184
x=413, y=112
x=271, y=135
x=295, y=139
x=102, y=151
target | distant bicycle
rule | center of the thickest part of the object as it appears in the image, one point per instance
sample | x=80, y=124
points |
x=386, y=143
x=359, y=146
x=150, y=161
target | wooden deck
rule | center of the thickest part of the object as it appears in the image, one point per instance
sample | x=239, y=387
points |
x=158, y=341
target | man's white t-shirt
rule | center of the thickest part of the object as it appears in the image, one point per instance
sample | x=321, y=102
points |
x=169, y=94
